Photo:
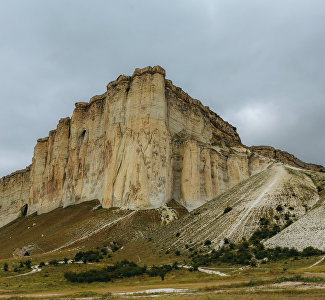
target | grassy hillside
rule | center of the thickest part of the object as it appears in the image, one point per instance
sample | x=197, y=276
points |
x=78, y=227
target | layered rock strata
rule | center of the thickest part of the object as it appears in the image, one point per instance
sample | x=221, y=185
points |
x=139, y=145
x=286, y=158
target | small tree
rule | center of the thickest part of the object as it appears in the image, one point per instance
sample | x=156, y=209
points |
x=279, y=208
x=65, y=260
x=207, y=243
x=28, y=263
x=5, y=267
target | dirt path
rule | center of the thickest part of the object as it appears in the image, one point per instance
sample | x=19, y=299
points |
x=35, y=269
x=317, y=262
x=278, y=177
x=207, y=271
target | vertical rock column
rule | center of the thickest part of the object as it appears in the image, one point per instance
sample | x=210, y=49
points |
x=138, y=172
x=190, y=177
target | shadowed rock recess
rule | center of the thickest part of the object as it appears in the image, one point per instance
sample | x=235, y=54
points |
x=139, y=145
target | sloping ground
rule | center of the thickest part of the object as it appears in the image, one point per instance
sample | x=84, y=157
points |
x=82, y=225
x=308, y=230
x=276, y=194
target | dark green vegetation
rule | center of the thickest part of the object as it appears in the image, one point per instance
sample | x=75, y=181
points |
x=300, y=278
x=90, y=256
x=267, y=229
x=227, y=209
x=118, y=270
x=249, y=253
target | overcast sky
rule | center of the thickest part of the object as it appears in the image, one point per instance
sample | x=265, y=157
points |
x=259, y=64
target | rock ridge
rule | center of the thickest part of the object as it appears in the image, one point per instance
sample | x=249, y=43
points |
x=139, y=145
x=286, y=158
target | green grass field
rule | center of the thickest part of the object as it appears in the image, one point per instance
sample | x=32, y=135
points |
x=240, y=284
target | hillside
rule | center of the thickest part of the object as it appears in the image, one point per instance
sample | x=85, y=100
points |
x=279, y=195
x=82, y=226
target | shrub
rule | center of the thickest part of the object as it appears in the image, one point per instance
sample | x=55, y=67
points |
x=28, y=264
x=175, y=265
x=264, y=221
x=311, y=251
x=159, y=271
x=91, y=256
x=177, y=253
x=53, y=262
x=207, y=243
x=104, y=251
x=178, y=234
x=279, y=208
x=41, y=264
x=119, y=270
x=227, y=209
x=5, y=267
x=65, y=260
x=288, y=223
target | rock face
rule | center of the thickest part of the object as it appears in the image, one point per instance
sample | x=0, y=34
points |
x=286, y=158
x=139, y=145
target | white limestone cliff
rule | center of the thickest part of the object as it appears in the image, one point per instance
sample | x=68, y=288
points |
x=139, y=145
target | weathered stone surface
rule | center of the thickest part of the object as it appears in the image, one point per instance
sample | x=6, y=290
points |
x=14, y=194
x=286, y=158
x=139, y=145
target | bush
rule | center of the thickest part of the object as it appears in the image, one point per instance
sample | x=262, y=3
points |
x=91, y=256
x=311, y=251
x=53, y=262
x=119, y=270
x=177, y=253
x=227, y=209
x=28, y=264
x=264, y=221
x=279, y=208
x=159, y=271
x=65, y=260
x=5, y=267
x=207, y=243
x=41, y=264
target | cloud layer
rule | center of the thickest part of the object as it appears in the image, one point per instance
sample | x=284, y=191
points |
x=258, y=64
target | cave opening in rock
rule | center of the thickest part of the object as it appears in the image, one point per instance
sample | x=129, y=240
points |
x=24, y=210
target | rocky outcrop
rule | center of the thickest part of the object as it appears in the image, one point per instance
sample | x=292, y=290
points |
x=139, y=145
x=14, y=195
x=286, y=158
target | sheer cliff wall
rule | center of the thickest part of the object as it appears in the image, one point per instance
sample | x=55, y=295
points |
x=139, y=145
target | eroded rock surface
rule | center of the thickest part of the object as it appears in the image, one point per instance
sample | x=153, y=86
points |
x=142, y=143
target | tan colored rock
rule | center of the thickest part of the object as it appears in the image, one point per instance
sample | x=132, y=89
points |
x=139, y=145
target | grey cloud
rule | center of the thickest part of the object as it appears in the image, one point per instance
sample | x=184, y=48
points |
x=258, y=64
